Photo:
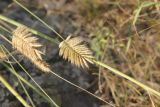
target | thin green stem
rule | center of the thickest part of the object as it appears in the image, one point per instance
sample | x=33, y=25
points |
x=81, y=89
x=3, y=28
x=26, y=92
x=13, y=91
x=31, y=30
x=31, y=77
x=128, y=78
x=25, y=81
x=143, y=5
x=39, y=19
x=5, y=38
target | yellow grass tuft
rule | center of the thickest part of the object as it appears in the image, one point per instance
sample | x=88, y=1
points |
x=27, y=44
x=75, y=51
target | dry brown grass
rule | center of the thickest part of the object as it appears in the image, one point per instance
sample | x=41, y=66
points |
x=141, y=62
x=138, y=58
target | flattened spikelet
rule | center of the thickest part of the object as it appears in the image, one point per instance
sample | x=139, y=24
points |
x=3, y=55
x=42, y=65
x=26, y=44
x=76, y=52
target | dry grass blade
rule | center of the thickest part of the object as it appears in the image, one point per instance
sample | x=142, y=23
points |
x=27, y=44
x=76, y=52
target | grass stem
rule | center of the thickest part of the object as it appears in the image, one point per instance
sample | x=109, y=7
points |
x=128, y=78
x=13, y=91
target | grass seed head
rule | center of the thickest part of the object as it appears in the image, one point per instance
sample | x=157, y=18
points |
x=28, y=45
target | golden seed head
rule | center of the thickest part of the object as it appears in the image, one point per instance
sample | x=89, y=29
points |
x=76, y=52
x=28, y=45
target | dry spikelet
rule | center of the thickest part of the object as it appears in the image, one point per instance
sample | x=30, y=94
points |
x=27, y=44
x=76, y=52
x=3, y=55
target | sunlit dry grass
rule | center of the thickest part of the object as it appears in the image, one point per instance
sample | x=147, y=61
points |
x=136, y=52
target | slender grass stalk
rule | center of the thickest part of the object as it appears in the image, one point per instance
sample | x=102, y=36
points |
x=26, y=92
x=6, y=30
x=25, y=81
x=31, y=30
x=53, y=102
x=6, y=25
x=13, y=91
x=38, y=19
x=3, y=37
x=3, y=28
x=82, y=89
x=143, y=5
x=128, y=78
x=128, y=44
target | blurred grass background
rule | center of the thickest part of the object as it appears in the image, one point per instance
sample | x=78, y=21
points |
x=131, y=48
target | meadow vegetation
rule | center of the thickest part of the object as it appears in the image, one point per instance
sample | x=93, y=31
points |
x=115, y=41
